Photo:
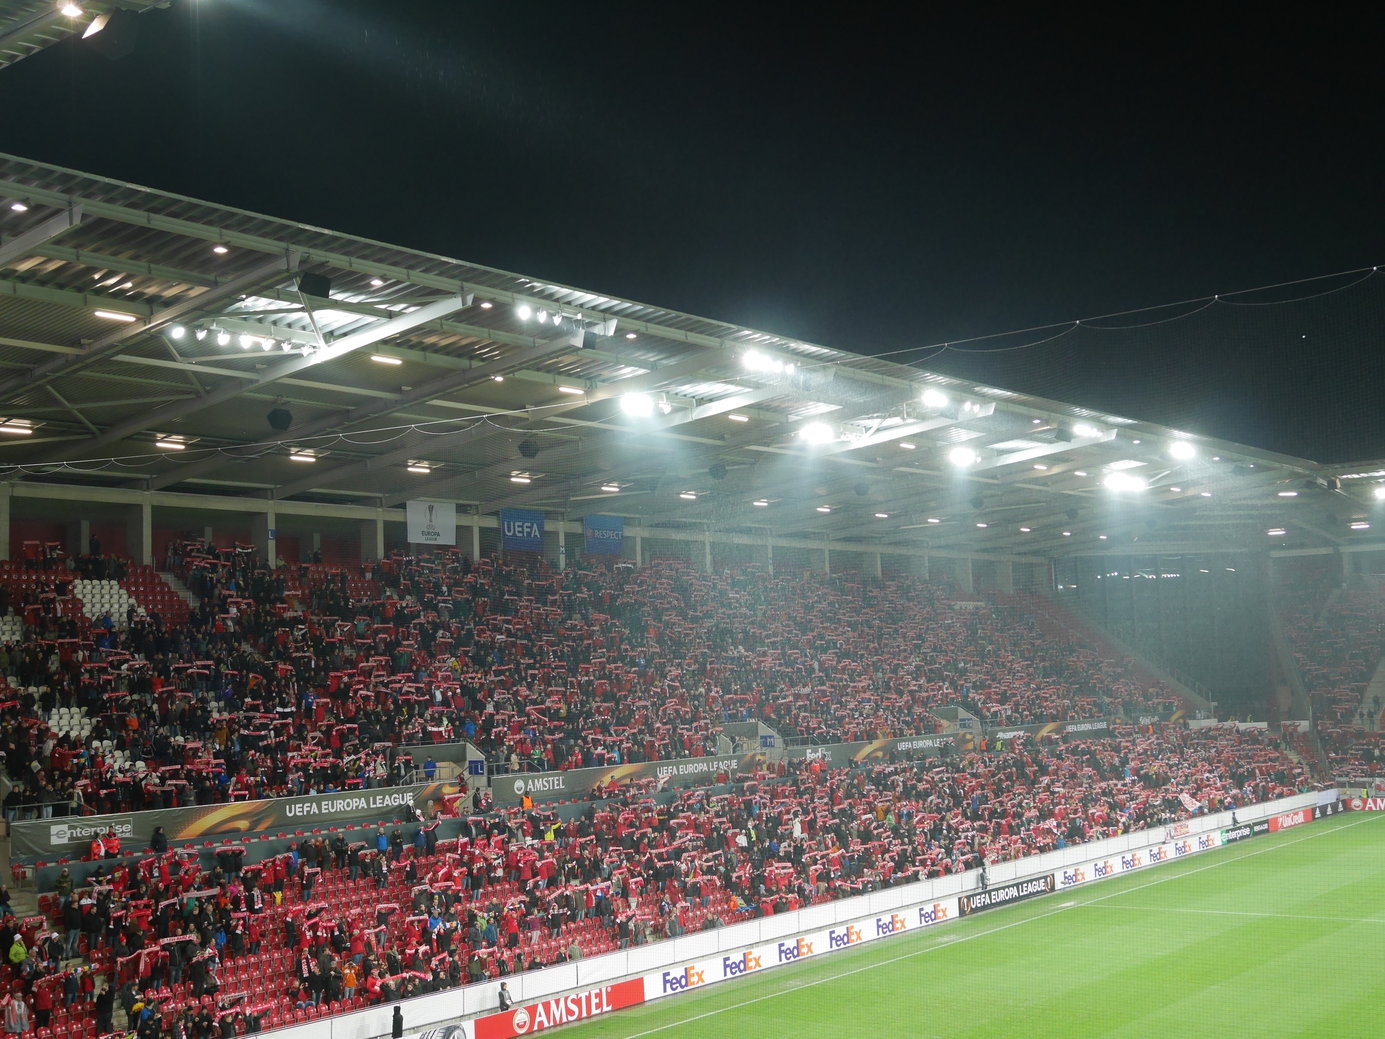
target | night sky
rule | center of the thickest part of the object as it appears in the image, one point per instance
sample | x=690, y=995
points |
x=862, y=176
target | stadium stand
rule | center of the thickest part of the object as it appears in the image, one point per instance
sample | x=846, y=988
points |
x=300, y=679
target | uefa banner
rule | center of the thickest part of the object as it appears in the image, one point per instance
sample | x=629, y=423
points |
x=1093, y=728
x=47, y=837
x=521, y=530
x=431, y=522
x=605, y=535
x=581, y=782
x=840, y=755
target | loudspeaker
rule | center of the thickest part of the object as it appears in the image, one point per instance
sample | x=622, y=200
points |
x=117, y=38
x=862, y=489
x=717, y=471
x=279, y=419
x=528, y=448
x=318, y=285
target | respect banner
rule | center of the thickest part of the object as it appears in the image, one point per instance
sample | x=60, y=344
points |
x=605, y=535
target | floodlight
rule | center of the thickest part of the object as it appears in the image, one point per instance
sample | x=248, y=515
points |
x=934, y=398
x=1183, y=450
x=962, y=456
x=817, y=433
x=637, y=405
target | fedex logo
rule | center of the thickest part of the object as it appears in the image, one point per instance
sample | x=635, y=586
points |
x=1131, y=861
x=1103, y=869
x=1158, y=854
x=1074, y=876
x=890, y=925
x=936, y=913
x=790, y=951
x=1183, y=847
x=679, y=981
x=735, y=966
x=1206, y=841
x=841, y=939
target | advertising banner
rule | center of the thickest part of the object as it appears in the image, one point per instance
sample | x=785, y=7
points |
x=431, y=522
x=1006, y=894
x=521, y=530
x=1364, y=804
x=605, y=535
x=839, y=755
x=1244, y=831
x=47, y=837
x=580, y=782
x=1095, y=727
x=560, y=1010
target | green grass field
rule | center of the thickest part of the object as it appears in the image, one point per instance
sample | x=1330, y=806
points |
x=1283, y=935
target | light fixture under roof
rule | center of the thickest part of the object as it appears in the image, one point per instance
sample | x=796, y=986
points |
x=907, y=445
x=1084, y=429
x=1183, y=450
x=637, y=405
x=177, y=332
x=519, y=478
x=1360, y=525
x=418, y=467
x=824, y=508
x=377, y=282
x=1286, y=494
x=170, y=443
x=611, y=488
x=882, y=515
x=69, y=10
x=302, y=456
x=688, y=495
x=760, y=503
x=630, y=335
x=1276, y=532
x=19, y=207
x=386, y=359
x=223, y=339
x=115, y=315
x=576, y=391
x=817, y=433
x=934, y=398
x=934, y=519
x=16, y=427
x=1119, y=481
x=962, y=456
x=983, y=526
x=1378, y=492
x=524, y=311
x=734, y=417
x=485, y=304
x=220, y=249
x=1025, y=530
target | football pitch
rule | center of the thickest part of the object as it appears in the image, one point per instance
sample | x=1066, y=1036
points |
x=1283, y=935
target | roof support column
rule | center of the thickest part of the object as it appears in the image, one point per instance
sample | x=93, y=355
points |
x=5, y=521
x=264, y=535
x=139, y=532
x=372, y=539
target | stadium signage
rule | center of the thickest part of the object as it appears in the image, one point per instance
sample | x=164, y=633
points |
x=1366, y=804
x=561, y=1010
x=79, y=831
x=1289, y=819
x=888, y=925
x=605, y=535
x=521, y=530
x=797, y=950
x=39, y=838
x=681, y=981
x=1009, y=893
x=933, y=914
x=735, y=966
x=840, y=938
x=1331, y=808
x=583, y=782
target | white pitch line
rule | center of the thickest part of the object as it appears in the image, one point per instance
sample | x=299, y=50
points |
x=1236, y=912
x=982, y=934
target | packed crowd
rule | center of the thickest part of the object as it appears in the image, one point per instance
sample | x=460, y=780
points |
x=261, y=693
x=1337, y=631
x=334, y=924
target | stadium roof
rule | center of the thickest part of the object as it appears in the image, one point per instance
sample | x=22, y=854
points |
x=28, y=26
x=155, y=342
